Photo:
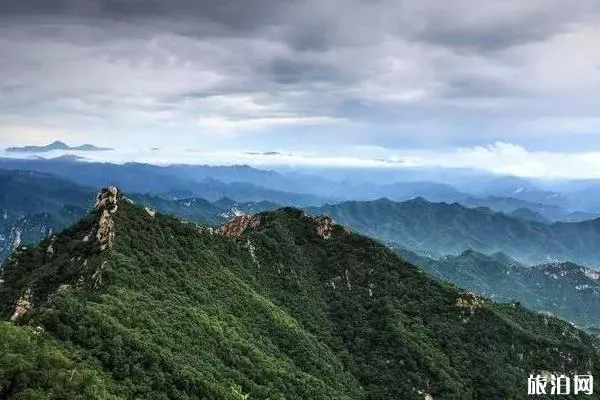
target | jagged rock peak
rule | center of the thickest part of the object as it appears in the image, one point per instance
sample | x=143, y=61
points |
x=107, y=198
x=236, y=226
x=107, y=204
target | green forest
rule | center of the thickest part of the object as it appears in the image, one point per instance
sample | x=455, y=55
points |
x=133, y=304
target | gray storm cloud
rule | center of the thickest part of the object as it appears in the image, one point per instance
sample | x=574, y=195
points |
x=386, y=73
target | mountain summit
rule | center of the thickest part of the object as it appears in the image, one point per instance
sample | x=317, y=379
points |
x=56, y=145
x=129, y=303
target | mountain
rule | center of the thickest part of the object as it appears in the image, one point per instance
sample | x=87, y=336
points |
x=32, y=228
x=508, y=204
x=529, y=215
x=440, y=229
x=57, y=145
x=128, y=303
x=25, y=192
x=566, y=290
x=213, y=190
x=521, y=189
x=202, y=211
x=165, y=181
x=33, y=205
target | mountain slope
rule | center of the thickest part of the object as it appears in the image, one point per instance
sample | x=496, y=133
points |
x=33, y=205
x=27, y=192
x=441, y=229
x=284, y=305
x=566, y=290
x=202, y=211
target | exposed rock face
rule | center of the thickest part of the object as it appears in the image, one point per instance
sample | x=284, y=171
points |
x=593, y=275
x=50, y=249
x=97, y=276
x=107, y=198
x=23, y=305
x=17, y=240
x=324, y=226
x=468, y=303
x=107, y=204
x=236, y=226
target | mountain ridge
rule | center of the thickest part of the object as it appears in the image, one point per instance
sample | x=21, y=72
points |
x=443, y=229
x=284, y=306
x=565, y=290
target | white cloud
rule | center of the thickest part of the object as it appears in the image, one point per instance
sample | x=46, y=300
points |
x=507, y=158
x=221, y=124
x=500, y=158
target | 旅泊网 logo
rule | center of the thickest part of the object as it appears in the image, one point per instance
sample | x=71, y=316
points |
x=554, y=384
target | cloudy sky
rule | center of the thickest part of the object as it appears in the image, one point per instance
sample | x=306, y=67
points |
x=461, y=82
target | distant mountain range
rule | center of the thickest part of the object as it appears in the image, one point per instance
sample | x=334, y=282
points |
x=173, y=182
x=565, y=290
x=57, y=145
x=439, y=229
x=33, y=205
x=560, y=202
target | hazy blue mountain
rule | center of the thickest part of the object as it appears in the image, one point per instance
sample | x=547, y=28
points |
x=521, y=189
x=33, y=205
x=441, y=228
x=566, y=290
x=202, y=211
x=463, y=179
x=133, y=304
x=57, y=145
x=528, y=215
x=158, y=180
x=305, y=187
x=25, y=192
x=510, y=204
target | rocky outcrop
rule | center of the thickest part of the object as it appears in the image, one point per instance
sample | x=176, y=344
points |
x=236, y=226
x=468, y=303
x=23, y=305
x=107, y=205
x=97, y=276
x=107, y=198
x=324, y=226
x=50, y=248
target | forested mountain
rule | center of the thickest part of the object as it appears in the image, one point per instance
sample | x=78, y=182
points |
x=440, y=229
x=510, y=205
x=33, y=205
x=129, y=303
x=565, y=290
x=202, y=211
